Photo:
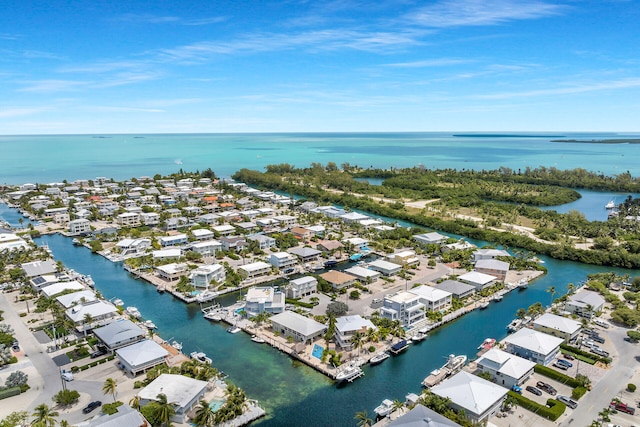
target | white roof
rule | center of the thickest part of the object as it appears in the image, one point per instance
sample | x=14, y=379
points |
x=354, y=216
x=202, y=232
x=430, y=237
x=362, y=272
x=476, y=277
x=9, y=242
x=402, y=297
x=553, y=321
x=356, y=241
x=430, y=293
x=95, y=309
x=282, y=256
x=179, y=389
x=260, y=294
x=535, y=341
x=173, y=268
x=56, y=288
x=492, y=264
x=403, y=254
x=206, y=244
x=141, y=353
x=470, y=392
x=591, y=298
x=119, y=331
x=255, y=266
x=174, y=238
x=506, y=363
x=491, y=252
x=385, y=265
x=353, y=323
x=207, y=269
x=167, y=253
x=68, y=300
x=303, y=280
x=298, y=323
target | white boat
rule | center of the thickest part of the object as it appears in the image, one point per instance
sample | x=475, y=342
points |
x=610, y=205
x=233, y=329
x=487, y=344
x=455, y=363
x=379, y=358
x=418, y=337
x=349, y=373
x=88, y=281
x=201, y=357
x=384, y=409
x=483, y=305
x=118, y=302
x=514, y=325
x=216, y=317
x=133, y=311
x=177, y=345
x=207, y=296
x=149, y=324
x=76, y=241
x=257, y=339
x=497, y=298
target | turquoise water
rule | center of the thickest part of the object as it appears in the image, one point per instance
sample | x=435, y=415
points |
x=216, y=404
x=58, y=157
x=317, y=351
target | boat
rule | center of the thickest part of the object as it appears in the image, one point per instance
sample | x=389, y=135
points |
x=330, y=263
x=355, y=257
x=118, y=302
x=379, y=358
x=88, y=281
x=497, y=298
x=349, y=373
x=201, y=357
x=483, y=305
x=233, y=329
x=487, y=344
x=523, y=284
x=399, y=347
x=420, y=336
x=149, y=324
x=257, y=339
x=610, y=205
x=76, y=241
x=177, y=345
x=133, y=311
x=434, y=378
x=455, y=363
x=384, y=409
x=206, y=296
x=160, y=289
x=514, y=325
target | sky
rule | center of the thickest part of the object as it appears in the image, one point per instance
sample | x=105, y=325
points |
x=199, y=66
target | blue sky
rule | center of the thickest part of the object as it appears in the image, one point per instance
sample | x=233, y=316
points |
x=343, y=65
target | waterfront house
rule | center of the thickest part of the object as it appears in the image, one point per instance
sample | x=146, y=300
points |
x=358, y=243
x=506, y=369
x=347, y=326
x=353, y=217
x=171, y=272
x=61, y=218
x=478, y=280
x=457, y=289
x=207, y=248
x=255, y=269
x=246, y=227
x=119, y=333
x=478, y=398
x=430, y=238
x=584, y=304
x=558, y=326
x=403, y=306
x=533, y=345
x=10, y=242
x=488, y=254
x=175, y=240
x=493, y=267
x=385, y=267
x=141, y=356
x=264, y=300
x=53, y=289
x=204, y=275
x=283, y=260
x=404, y=258
x=80, y=297
x=305, y=254
x=40, y=282
x=79, y=226
x=233, y=243
x=133, y=247
x=338, y=279
x=39, y=268
x=434, y=299
x=101, y=312
x=128, y=219
x=264, y=242
x=363, y=274
x=328, y=246
x=182, y=392
x=164, y=254
x=124, y=416
x=301, y=287
x=202, y=234
x=298, y=327
x=460, y=245
x=421, y=416
x=317, y=230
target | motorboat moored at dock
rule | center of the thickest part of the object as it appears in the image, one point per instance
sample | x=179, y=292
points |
x=384, y=409
x=349, y=373
x=379, y=358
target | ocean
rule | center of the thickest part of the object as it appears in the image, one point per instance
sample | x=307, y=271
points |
x=53, y=158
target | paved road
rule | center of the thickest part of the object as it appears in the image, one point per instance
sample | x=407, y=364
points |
x=623, y=369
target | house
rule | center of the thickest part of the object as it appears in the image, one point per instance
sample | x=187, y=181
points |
x=337, y=279
x=101, y=312
x=478, y=280
x=328, y=246
x=301, y=233
x=430, y=238
x=488, y=254
x=358, y=243
x=255, y=269
x=282, y=260
x=263, y=300
x=347, y=326
x=204, y=275
x=421, y=416
x=133, y=247
x=128, y=219
x=478, y=398
x=183, y=392
x=286, y=221
x=306, y=254
x=208, y=219
x=120, y=333
x=224, y=230
x=79, y=226
x=385, y=267
x=150, y=218
x=363, y=274
x=506, y=369
x=460, y=245
x=233, y=243
x=202, y=234
x=457, y=289
x=434, y=299
x=39, y=268
x=298, y=327
x=493, y=267
x=125, y=416
x=558, y=326
x=403, y=306
x=58, y=287
x=301, y=287
x=80, y=297
x=207, y=248
x=175, y=240
x=10, y=242
x=171, y=271
x=533, y=345
x=264, y=242
x=141, y=356
x=174, y=253
x=353, y=217
x=404, y=258
x=246, y=226
x=584, y=304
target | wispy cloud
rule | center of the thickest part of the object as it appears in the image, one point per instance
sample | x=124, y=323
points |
x=567, y=90
x=49, y=86
x=18, y=112
x=158, y=20
x=456, y=13
x=111, y=109
x=441, y=62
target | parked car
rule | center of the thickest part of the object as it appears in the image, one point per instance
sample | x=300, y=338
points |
x=600, y=352
x=67, y=376
x=99, y=352
x=601, y=323
x=560, y=366
x=91, y=406
x=622, y=407
x=517, y=389
x=565, y=362
x=598, y=339
x=569, y=357
x=567, y=401
x=534, y=390
x=628, y=339
x=546, y=387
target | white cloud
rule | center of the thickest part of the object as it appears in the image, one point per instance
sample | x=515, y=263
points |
x=441, y=62
x=583, y=88
x=18, y=112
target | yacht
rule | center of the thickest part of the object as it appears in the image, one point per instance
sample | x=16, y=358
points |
x=233, y=329
x=384, y=409
x=206, y=296
x=149, y=324
x=399, y=347
x=514, y=325
x=118, y=302
x=420, y=336
x=349, y=373
x=379, y=358
x=610, y=205
x=455, y=363
x=201, y=357
x=177, y=345
x=133, y=311
x=257, y=339
x=483, y=305
x=497, y=298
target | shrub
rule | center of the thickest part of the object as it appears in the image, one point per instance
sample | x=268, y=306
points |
x=578, y=392
x=66, y=397
x=75, y=369
x=555, y=375
x=372, y=349
x=9, y=392
x=138, y=384
x=631, y=387
x=111, y=408
x=552, y=411
x=23, y=314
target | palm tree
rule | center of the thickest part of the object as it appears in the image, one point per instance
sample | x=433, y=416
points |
x=357, y=341
x=521, y=313
x=166, y=410
x=109, y=387
x=43, y=416
x=552, y=291
x=363, y=419
x=204, y=415
x=571, y=288
x=135, y=402
x=87, y=321
x=397, y=405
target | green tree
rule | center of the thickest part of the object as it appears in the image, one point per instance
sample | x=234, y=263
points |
x=109, y=387
x=66, y=397
x=363, y=419
x=43, y=416
x=552, y=291
x=165, y=410
x=205, y=416
x=14, y=419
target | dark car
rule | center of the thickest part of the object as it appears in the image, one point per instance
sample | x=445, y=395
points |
x=569, y=357
x=534, y=390
x=565, y=362
x=99, y=352
x=597, y=338
x=546, y=387
x=91, y=406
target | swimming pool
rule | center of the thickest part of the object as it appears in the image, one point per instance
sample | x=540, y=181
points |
x=215, y=404
x=317, y=351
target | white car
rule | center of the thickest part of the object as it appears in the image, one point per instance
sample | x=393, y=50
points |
x=67, y=376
